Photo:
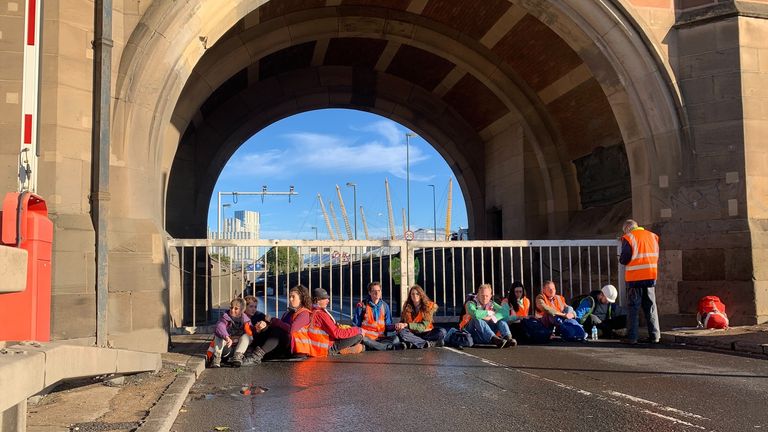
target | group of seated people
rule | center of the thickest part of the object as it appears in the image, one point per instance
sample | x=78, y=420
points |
x=307, y=329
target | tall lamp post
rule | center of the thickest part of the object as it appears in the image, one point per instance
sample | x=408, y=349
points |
x=354, y=199
x=408, y=178
x=315, y=230
x=434, y=212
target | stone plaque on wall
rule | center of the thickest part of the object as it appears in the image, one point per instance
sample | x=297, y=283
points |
x=604, y=176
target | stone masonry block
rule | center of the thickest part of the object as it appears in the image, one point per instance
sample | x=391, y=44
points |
x=134, y=271
x=667, y=297
x=709, y=63
x=72, y=272
x=703, y=264
x=149, y=309
x=718, y=137
x=119, y=311
x=147, y=340
x=698, y=90
x=697, y=40
x=671, y=264
x=73, y=316
x=738, y=264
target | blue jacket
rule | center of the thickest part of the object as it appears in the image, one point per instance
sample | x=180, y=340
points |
x=359, y=314
x=601, y=311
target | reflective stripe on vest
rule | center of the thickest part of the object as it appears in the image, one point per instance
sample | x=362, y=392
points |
x=645, y=255
x=557, y=303
x=311, y=340
x=374, y=329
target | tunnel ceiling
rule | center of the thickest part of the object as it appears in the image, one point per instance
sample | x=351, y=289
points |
x=306, y=49
x=547, y=69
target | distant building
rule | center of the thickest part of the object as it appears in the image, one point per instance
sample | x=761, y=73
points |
x=244, y=226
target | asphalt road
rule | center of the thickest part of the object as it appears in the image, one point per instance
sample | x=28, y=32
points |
x=560, y=387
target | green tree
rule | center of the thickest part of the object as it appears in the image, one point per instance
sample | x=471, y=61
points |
x=287, y=259
x=220, y=258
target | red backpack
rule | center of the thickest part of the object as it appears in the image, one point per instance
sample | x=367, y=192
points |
x=711, y=313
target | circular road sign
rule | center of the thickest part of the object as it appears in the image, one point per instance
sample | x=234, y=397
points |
x=409, y=235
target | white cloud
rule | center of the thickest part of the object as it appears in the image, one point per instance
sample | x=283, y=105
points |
x=320, y=153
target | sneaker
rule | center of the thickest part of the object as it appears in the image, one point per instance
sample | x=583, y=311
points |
x=399, y=346
x=429, y=344
x=440, y=343
x=216, y=361
x=354, y=349
x=499, y=342
x=648, y=340
x=511, y=342
x=237, y=360
x=629, y=341
x=622, y=332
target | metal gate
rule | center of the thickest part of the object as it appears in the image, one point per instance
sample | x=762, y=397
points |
x=206, y=274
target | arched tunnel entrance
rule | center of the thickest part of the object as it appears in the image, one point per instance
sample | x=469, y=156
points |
x=557, y=119
x=538, y=126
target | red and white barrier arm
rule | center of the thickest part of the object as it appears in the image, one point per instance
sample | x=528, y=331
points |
x=28, y=154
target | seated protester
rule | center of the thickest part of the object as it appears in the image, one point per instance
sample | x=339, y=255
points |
x=339, y=339
x=599, y=309
x=256, y=316
x=251, y=309
x=486, y=318
x=233, y=327
x=373, y=316
x=519, y=303
x=415, y=327
x=550, y=305
x=554, y=313
x=274, y=337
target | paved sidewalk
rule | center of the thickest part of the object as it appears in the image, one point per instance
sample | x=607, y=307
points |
x=744, y=339
x=151, y=401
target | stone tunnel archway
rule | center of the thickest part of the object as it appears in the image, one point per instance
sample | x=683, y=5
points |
x=513, y=80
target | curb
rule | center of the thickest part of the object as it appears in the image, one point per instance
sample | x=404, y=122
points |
x=734, y=347
x=163, y=414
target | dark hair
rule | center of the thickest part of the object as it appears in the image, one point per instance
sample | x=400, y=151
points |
x=424, y=305
x=373, y=284
x=303, y=292
x=511, y=295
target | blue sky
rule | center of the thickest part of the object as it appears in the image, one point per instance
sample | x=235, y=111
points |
x=317, y=150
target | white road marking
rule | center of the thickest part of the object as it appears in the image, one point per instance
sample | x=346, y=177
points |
x=614, y=401
x=656, y=405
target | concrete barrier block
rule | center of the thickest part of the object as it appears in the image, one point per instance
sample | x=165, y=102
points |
x=134, y=361
x=21, y=375
x=13, y=269
x=749, y=347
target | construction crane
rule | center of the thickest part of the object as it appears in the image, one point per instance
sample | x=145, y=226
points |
x=325, y=216
x=448, y=210
x=335, y=221
x=365, y=225
x=344, y=214
x=405, y=223
x=390, y=214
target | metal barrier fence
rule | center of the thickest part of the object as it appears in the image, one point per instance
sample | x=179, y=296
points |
x=207, y=279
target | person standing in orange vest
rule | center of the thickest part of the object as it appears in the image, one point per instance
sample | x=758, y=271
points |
x=374, y=317
x=640, y=255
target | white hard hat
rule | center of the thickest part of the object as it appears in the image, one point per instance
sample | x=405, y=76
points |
x=609, y=291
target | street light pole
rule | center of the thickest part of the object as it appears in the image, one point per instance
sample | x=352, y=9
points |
x=408, y=178
x=434, y=211
x=315, y=229
x=354, y=194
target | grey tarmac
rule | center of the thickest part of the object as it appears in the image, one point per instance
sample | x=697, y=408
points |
x=599, y=386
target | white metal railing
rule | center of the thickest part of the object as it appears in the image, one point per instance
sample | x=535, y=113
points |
x=202, y=282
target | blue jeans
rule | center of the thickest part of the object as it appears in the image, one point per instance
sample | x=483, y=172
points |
x=419, y=340
x=482, y=331
x=645, y=298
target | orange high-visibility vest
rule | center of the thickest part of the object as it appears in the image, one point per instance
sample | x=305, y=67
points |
x=524, y=308
x=645, y=255
x=556, y=303
x=374, y=328
x=419, y=317
x=311, y=340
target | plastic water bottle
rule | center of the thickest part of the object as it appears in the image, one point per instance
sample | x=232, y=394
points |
x=594, y=333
